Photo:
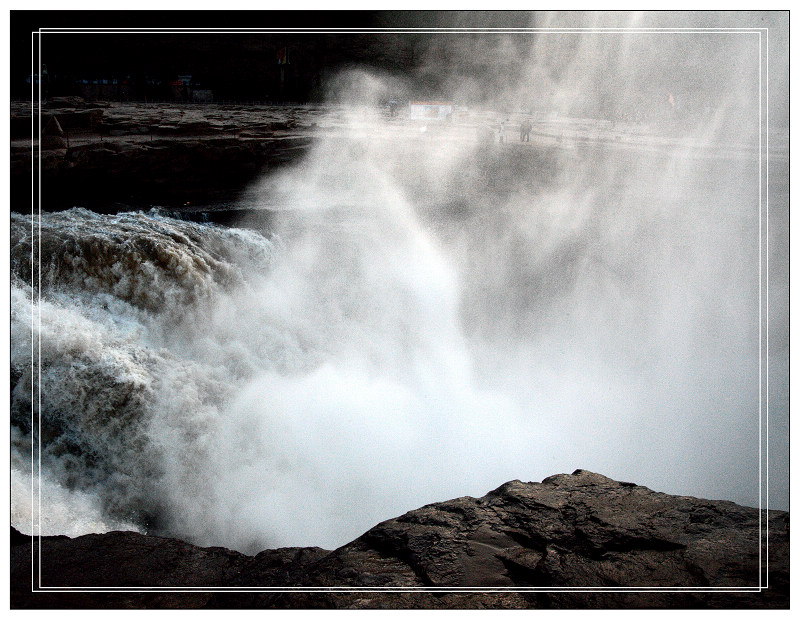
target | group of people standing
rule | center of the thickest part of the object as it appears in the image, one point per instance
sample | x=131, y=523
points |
x=524, y=131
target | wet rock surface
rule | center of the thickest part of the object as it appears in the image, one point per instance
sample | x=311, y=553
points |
x=523, y=545
x=177, y=155
x=145, y=153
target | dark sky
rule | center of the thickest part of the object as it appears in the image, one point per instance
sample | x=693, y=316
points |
x=231, y=63
x=243, y=65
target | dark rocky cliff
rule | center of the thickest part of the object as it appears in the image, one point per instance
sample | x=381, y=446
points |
x=99, y=154
x=523, y=545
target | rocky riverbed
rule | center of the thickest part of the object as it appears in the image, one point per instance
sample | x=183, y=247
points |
x=134, y=154
x=524, y=545
x=572, y=541
x=101, y=154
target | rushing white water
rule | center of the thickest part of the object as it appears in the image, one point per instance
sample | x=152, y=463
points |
x=366, y=357
x=194, y=384
x=429, y=317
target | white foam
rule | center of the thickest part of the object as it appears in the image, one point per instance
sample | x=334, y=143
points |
x=378, y=354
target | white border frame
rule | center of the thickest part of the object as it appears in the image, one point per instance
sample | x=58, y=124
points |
x=763, y=302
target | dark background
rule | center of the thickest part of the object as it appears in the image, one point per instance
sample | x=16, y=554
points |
x=235, y=66
x=244, y=66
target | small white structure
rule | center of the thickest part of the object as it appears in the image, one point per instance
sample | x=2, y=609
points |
x=430, y=110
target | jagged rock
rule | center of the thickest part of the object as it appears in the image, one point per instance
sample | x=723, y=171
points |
x=519, y=543
x=53, y=128
x=53, y=135
x=66, y=102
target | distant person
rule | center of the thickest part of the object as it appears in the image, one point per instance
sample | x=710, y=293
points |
x=502, y=132
x=525, y=131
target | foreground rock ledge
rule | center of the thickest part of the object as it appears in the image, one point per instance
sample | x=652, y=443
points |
x=579, y=530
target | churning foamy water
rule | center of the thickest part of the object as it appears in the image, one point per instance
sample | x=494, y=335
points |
x=226, y=387
x=366, y=356
x=430, y=316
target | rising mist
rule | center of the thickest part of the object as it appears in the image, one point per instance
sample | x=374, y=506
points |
x=433, y=313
